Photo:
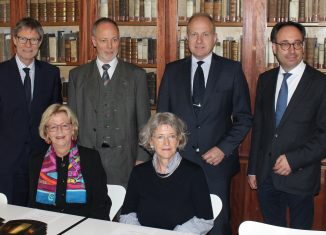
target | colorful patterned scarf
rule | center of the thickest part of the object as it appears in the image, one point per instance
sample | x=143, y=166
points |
x=47, y=182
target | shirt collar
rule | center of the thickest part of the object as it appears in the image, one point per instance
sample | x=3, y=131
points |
x=21, y=65
x=297, y=69
x=207, y=60
x=172, y=165
x=113, y=63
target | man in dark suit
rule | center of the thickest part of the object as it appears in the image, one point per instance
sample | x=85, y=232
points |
x=28, y=87
x=211, y=95
x=289, y=132
x=110, y=98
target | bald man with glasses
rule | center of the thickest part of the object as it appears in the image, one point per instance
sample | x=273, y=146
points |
x=28, y=87
x=289, y=132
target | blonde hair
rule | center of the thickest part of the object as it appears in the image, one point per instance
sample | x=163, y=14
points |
x=55, y=109
x=157, y=120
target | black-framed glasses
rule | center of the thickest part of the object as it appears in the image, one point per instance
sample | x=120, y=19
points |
x=297, y=45
x=23, y=40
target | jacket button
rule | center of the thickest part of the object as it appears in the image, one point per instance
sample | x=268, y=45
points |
x=276, y=135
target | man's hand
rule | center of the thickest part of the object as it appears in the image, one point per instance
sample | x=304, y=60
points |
x=282, y=166
x=252, y=181
x=213, y=156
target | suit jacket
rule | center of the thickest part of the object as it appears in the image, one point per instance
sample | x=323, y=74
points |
x=131, y=110
x=225, y=116
x=19, y=128
x=301, y=134
x=98, y=203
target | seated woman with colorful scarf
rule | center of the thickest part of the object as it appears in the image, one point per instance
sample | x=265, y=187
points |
x=67, y=178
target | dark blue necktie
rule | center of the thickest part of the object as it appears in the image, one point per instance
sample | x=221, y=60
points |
x=105, y=75
x=198, y=86
x=27, y=87
x=282, y=99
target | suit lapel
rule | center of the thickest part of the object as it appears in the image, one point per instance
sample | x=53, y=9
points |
x=92, y=84
x=16, y=80
x=213, y=76
x=298, y=94
x=187, y=81
x=38, y=85
x=269, y=95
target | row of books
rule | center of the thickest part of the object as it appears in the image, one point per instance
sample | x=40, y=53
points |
x=128, y=10
x=296, y=10
x=151, y=85
x=220, y=10
x=4, y=11
x=5, y=53
x=59, y=47
x=228, y=48
x=138, y=50
x=53, y=10
x=314, y=54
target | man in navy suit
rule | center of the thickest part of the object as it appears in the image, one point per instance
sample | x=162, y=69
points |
x=211, y=95
x=289, y=132
x=28, y=87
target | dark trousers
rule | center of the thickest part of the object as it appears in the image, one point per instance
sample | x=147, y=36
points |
x=221, y=188
x=274, y=204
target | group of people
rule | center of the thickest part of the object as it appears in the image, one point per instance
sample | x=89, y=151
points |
x=60, y=158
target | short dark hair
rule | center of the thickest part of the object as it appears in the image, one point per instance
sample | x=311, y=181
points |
x=198, y=15
x=104, y=20
x=30, y=23
x=280, y=25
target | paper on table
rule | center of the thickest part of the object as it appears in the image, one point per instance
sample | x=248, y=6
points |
x=40, y=215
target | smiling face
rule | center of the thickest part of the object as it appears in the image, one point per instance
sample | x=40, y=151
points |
x=106, y=41
x=26, y=51
x=290, y=58
x=60, y=131
x=201, y=37
x=165, y=142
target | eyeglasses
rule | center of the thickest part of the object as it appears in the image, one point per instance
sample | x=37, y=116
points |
x=23, y=40
x=286, y=45
x=162, y=138
x=55, y=128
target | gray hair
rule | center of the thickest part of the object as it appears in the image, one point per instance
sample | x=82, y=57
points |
x=30, y=23
x=157, y=120
x=104, y=20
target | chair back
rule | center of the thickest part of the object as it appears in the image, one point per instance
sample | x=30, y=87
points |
x=117, y=195
x=3, y=199
x=257, y=228
x=216, y=205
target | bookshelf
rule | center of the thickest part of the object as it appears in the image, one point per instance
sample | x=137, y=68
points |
x=254, y=27
x=141, y=24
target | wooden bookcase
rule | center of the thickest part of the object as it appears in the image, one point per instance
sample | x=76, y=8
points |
x=254, y=27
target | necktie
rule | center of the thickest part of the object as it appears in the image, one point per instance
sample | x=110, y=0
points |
x=105, y=75
x=198, y=86
x=27, y=86
x=282, y=99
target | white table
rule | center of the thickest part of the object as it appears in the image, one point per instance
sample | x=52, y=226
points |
x=57, y=222
x=101, y=227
